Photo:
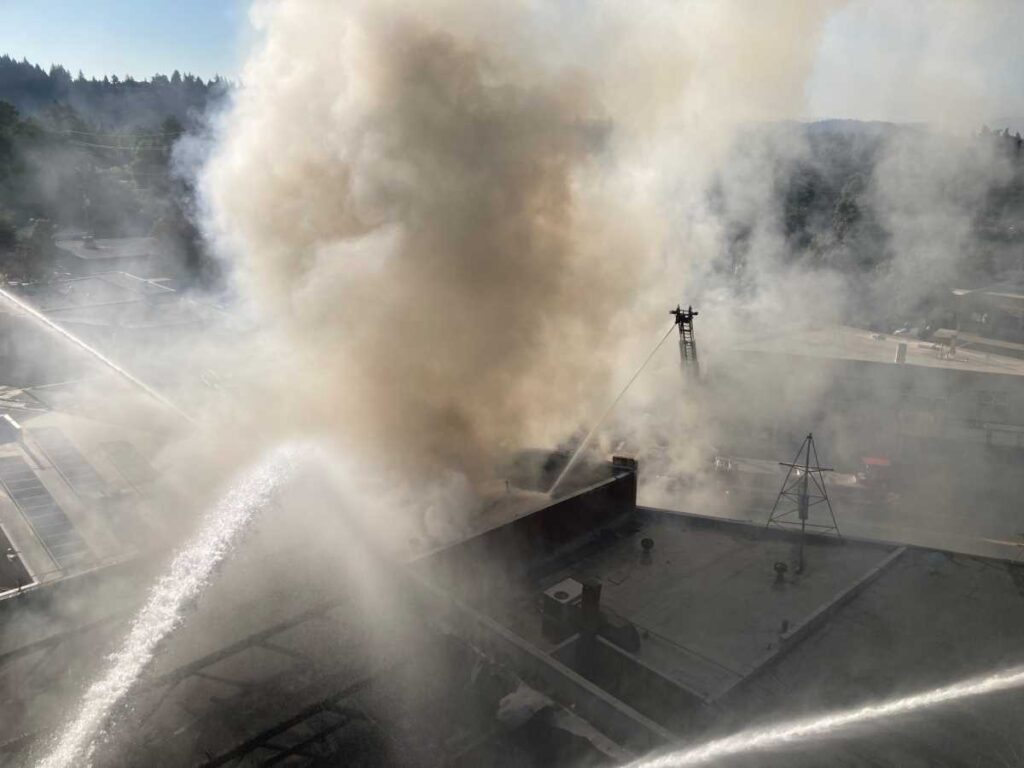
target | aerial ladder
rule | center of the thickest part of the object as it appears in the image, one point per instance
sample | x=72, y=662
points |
x=687, y=341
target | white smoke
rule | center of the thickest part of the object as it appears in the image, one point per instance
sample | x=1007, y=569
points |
x=461, y=223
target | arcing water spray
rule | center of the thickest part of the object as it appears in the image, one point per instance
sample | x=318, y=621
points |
x=185, y=580
x=67, y=335
x=607, y=412
x=760, y=739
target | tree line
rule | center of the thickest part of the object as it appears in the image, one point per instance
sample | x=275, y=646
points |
x=59, y=172
x=904, y=212
x=110, y=102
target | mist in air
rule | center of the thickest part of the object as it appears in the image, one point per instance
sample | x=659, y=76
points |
x=440, y=241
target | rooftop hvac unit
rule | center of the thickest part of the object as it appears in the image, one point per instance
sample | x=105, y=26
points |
x=560, y=606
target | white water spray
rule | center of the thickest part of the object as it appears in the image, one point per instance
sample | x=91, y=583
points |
x=185, y=580
x=65, y=334
x=611, y=407
x=759, y=739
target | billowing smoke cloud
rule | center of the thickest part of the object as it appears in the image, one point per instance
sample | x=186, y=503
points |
x=930, y=193
x=427, y=225
x=447, y=213
x=459, y=225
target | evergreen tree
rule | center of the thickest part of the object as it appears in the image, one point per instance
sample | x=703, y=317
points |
x=125, y=103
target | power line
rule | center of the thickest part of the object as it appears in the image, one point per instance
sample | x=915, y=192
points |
x=107, y=133
x=120, y=147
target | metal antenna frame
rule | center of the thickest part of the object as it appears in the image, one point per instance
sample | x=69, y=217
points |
x=798, y=489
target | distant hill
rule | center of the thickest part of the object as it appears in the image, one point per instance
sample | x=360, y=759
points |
x=902, y=212
x=110, y=103
x=96, y=156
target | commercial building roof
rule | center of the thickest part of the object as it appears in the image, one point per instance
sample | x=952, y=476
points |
x=90, y=249
x=848, y=343
x=94, y=290
x=114, y=300
x=317, y=660
x=70, y=500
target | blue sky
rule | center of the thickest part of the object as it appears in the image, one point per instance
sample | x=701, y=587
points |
x=136, y=37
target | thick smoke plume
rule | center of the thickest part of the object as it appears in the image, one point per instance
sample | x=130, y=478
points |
x=459, y=226
x=441, y=211
x=426, y=225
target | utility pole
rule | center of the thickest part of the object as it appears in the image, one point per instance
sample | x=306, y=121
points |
x=804, y=485
x=687, y=341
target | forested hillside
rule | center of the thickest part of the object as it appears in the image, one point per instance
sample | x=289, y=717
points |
x=110, y=103
x=902, y=213
x=96, y=157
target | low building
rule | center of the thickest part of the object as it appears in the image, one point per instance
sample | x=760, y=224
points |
x=877, y=394
x=74, y=492
x=993, y=312
x=590, y=632
x=116, y=309
x=88, y=255
x=946, y=423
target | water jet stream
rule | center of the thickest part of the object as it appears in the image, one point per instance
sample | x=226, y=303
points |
x=39, y=317
x=757, y=739
x=593, y=430
x=184, y=581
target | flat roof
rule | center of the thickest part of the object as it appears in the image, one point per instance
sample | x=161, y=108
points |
x=111, y=248
x=675, y=597
x=929, y=619
x=113, y=299
x=81, y=464
x=133, y=315
x=299, y=639
x=862, y=623
x=90, y=291
x=848, y=343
